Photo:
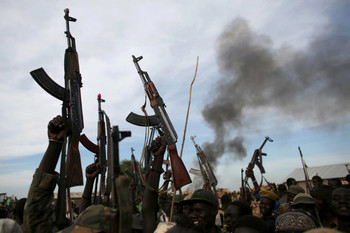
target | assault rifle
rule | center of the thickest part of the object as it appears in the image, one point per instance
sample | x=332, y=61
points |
x=205, y=168
x=306, y=174
x=135, y=174
x=70, y=170
x=121, y=208
x=162, y=122
x=101, y=141
x=256, y=160
x=99, y=150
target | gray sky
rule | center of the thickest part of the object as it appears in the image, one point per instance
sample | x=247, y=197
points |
x=277, y=69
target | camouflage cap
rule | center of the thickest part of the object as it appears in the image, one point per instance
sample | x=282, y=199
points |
x=269, y=194
x=295, y=189
x=179, y=198
x=95, y=218
x=303, y=198
x=203, y=195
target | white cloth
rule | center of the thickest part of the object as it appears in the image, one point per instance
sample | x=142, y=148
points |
x=9, y=226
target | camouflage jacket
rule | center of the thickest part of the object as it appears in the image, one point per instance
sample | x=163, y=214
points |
x=38, y=215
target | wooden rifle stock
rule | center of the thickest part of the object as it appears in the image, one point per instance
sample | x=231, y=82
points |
x=180, y=174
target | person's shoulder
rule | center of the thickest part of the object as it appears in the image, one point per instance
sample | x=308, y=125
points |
x=164, y=227
x=95, y=218
x=9, y=225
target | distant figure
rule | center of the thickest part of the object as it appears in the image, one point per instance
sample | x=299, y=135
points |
x=335, y=183
x=316, y=181
x=291, y=181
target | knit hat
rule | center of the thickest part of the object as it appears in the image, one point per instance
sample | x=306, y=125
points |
x=203, y=195
x=269, y=194
x=295, y=220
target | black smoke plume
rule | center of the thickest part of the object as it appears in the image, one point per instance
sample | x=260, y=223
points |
x=311, y=86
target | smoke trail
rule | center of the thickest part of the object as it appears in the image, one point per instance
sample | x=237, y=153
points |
x=310, y=86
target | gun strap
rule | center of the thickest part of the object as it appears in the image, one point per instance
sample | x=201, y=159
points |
x=109, y=156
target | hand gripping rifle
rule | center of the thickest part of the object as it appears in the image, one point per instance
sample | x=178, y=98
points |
x=256, y=160
x=164, y=125
x=70, y=171
x=100, y=150
x=306, y=174
x=205, y=168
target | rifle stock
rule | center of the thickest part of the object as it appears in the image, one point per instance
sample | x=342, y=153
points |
x=178, y=169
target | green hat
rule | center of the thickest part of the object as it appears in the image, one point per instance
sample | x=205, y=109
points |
x=303, y=198
x=179, y=198
x=95, y=218
x=269, y=194
x=203, y=195
x=295, y=189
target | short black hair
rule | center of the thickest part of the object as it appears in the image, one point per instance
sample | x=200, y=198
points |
x=318, y=178
x=225, y=199
x=290, y=181
x=253, y=222
x=243, y=207
x=281, y=188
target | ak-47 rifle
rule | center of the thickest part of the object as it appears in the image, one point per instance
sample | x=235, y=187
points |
x=101, y=141
x=70, y=171
x=306, y=174
x=120, y=204
x=162, y=122
x=205, y=168
x=135, y=175
x=99, y=150
x=256, y=160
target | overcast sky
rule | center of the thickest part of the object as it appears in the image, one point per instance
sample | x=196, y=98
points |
x=266, y=68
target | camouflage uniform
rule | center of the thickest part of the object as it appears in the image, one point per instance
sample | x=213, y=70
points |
x=38, y=215
x=95, y=218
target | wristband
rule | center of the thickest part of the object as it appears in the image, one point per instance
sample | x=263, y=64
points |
x=54, y=140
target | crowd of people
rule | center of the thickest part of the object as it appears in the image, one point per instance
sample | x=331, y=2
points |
x=279, y=208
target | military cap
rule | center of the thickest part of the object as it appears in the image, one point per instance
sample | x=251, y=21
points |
x=179, y=198
x=295, y=189
x=303, y=198
x=269, y=194
x=203, y=195
x=95, y=218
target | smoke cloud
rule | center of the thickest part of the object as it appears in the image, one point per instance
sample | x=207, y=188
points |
x=310, y=86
